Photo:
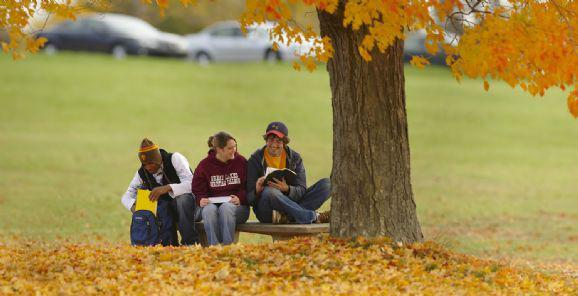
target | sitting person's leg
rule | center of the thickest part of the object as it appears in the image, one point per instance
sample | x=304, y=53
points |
x=242, y=214
x=263, y=210
x=211, y=223
x=166, y=216
x=186, y=219
x=316, y=195
x=280, y=202
x=229, y=216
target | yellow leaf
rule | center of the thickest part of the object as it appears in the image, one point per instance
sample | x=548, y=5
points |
x=364, y=54
x=310, y=64
x=368, y=42
x=296, y=66
x=419, y=62
x=186, y=3
x=41, y=41
x=222, y=274
x=163, y=5
x=17, y=55
x=573, y=104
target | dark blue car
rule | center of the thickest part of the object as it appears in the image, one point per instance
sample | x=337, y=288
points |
x=113, y=33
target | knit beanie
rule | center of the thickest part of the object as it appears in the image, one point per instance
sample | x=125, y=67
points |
x=149, y=152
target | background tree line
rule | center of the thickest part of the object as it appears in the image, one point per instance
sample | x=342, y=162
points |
x=191, y=19
x=177, y=19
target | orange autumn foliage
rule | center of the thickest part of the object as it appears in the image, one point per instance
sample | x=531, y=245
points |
x=303, y=266
x=526, y=43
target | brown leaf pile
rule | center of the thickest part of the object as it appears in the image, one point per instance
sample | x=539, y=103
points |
x=304, y=266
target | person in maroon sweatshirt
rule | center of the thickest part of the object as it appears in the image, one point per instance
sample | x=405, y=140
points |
x=223, y=173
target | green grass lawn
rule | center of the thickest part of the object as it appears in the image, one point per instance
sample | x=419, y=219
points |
x=493, y=172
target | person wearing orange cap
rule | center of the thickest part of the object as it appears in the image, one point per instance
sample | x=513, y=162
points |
x=277, y=201
x=168, y=177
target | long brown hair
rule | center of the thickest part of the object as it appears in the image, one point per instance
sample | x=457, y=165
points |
x=219, y=140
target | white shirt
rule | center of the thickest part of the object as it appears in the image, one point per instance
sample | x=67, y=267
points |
x=181, y=166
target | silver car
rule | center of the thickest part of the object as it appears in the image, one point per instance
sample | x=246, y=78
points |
x=224, y=41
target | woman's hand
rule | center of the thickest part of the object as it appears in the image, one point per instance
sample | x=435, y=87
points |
x=203, y=202
x=235, y=200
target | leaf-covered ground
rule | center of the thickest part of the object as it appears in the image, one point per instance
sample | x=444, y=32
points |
x=306, y=266
x=474, y=154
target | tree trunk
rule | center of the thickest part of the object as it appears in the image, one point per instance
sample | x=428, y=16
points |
x=371, y=187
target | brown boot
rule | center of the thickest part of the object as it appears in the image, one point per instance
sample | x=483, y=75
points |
x=323, y=217
x=278, y=218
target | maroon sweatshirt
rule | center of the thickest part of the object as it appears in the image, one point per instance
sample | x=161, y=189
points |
x=215, y=178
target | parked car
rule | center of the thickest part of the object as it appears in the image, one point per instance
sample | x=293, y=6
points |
x=224, y=41
x=414, y=45
x=113, y=33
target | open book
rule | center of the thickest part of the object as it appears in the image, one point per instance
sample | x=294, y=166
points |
x=279, y=174
x=144, y=203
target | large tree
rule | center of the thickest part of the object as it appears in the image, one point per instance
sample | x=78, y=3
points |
x=526, y=43
x=371, y=186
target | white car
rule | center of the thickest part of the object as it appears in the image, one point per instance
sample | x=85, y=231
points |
x=224, y=41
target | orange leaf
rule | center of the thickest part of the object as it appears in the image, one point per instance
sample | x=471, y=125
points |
x=296, y=66
x=419, y=62
x=364, y=54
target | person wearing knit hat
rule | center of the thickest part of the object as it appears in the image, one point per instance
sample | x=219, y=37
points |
x=168, y=177
x=149, y=152
x=277, y=201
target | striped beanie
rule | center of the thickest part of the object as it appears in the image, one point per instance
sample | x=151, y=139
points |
x=149, y=152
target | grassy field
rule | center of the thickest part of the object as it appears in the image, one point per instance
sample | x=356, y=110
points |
x=493, y=172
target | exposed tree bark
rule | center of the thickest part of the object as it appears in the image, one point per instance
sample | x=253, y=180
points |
x=371, y=188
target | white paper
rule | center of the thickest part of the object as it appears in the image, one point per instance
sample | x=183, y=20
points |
x=219, y=199
x=269, y=170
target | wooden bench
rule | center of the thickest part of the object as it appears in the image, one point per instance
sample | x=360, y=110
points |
x=277, y=231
